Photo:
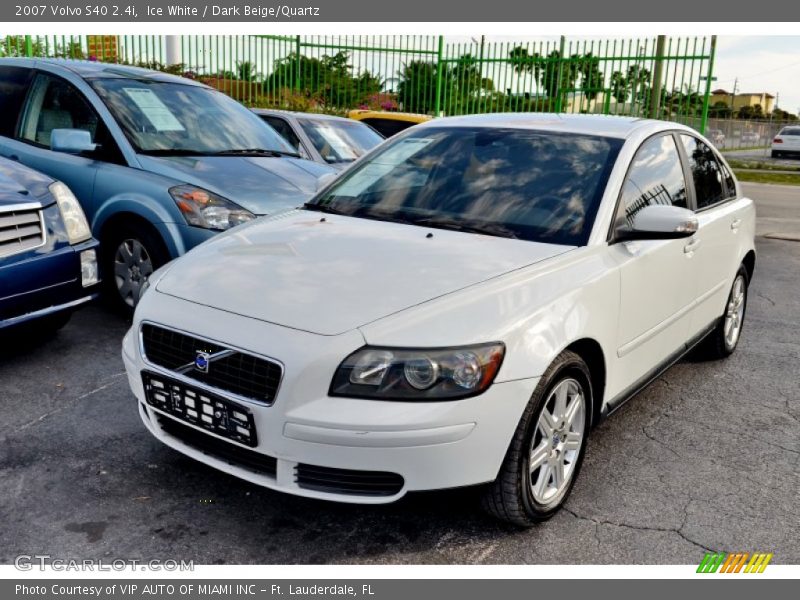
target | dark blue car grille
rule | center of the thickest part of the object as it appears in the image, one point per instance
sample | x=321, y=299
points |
x=243, y=374
x=20, y=230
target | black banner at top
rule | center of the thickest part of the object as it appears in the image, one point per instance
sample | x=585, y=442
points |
x=462, y=11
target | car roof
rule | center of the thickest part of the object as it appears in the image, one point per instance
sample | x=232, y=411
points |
x=89, y=69
x=362, y=113
x=291, y=113
x=603, y=125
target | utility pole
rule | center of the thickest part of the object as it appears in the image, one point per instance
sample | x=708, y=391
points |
x=733, y=95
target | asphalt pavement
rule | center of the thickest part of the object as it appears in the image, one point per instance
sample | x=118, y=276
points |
x=707, y=458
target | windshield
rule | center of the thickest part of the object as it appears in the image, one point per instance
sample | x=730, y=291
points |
x=517, y=183
x=172, y=118
x=340, y=141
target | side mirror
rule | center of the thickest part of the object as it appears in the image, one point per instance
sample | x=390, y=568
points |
x=659, y=222
x=71, y=141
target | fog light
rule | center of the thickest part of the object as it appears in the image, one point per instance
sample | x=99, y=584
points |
x=89, y=272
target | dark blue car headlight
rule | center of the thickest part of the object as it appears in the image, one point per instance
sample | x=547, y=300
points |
x=72, y=215
x=202, y=208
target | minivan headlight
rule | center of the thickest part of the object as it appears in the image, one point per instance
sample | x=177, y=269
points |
x=72, y=214
x=202, y=208
x=418, y=374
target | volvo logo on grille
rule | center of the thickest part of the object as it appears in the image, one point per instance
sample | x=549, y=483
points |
x=201, y=361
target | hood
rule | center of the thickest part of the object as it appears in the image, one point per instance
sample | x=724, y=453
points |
x=19, y=184
x=328, y=274
x=262, y=185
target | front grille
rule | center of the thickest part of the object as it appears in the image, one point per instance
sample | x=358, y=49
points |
x=219, y=449
x=346, y=481
x=230, y=370
x=20, y=230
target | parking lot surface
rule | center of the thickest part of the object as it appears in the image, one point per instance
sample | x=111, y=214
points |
x=708, y=457
x=763, y=156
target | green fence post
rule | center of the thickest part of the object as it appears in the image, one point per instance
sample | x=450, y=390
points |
x=709, y=74
x=28, y=46
x=658, y=75
x=437, y=102
x=558, y=76
x=297, y=63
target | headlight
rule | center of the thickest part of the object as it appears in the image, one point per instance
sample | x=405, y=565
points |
x=71, y=213
x=202, y=208
x=406, y=374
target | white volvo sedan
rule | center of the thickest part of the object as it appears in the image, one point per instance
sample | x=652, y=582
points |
x=459, y=308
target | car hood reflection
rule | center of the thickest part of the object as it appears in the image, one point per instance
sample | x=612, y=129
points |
x=328, y=274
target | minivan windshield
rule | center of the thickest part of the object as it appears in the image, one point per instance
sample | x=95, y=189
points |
x=517, y=183
x=172, y=118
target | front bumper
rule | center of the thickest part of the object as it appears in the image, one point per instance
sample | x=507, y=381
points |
x=43, y=283
x=431, y=445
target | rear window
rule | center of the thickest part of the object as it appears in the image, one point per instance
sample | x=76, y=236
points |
x=790, y=131
x=525, y=184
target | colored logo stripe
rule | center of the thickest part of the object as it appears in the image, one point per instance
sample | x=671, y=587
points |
x=734, y=562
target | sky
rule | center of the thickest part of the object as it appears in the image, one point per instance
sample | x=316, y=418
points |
x=761, y=63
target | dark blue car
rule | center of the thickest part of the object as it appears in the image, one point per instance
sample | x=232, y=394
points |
x=48, y=258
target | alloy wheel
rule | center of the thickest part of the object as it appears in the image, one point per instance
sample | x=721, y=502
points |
x=557, y=441
x=132, y=267
x=734, y=313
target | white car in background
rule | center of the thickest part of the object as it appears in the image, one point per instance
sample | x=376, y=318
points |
x=459, y=308
x=787, y=142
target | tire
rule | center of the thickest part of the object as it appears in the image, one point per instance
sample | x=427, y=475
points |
x=775, y=154
x=522, y=497
x=130, y=253
x=720, y=343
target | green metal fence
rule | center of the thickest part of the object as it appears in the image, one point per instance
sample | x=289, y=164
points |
x=662, y=77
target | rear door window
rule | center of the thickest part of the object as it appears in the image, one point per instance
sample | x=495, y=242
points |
x=712, y=183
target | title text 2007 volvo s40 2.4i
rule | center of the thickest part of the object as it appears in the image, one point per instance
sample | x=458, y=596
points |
x=459, y=308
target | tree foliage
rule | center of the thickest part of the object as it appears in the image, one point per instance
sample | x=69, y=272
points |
x=329, y=78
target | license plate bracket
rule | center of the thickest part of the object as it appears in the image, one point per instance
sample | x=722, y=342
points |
x=200, y=408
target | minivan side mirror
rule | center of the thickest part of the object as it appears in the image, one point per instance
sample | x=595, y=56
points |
x=659, y=222
x=71, y=141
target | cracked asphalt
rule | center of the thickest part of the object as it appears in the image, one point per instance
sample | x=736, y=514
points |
x=707, y=458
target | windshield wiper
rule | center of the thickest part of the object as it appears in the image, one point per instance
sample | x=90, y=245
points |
x=440, y=222
x=255, y=152
x=324, y=208
x=174, y=152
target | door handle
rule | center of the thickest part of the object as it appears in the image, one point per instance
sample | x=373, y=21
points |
x=691, y=246
x=735, y=224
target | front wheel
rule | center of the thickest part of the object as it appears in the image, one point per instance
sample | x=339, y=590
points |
x=547, y=450
x=130, y=255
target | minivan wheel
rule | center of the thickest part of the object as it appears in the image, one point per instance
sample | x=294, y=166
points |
x=722, y=341
x=130, y=254
x=547, y=449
